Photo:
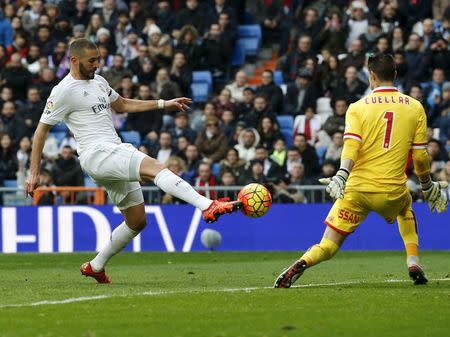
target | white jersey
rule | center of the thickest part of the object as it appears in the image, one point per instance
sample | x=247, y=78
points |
x=85, y=106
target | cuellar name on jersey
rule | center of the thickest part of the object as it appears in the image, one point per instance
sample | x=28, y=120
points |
x=101, y=106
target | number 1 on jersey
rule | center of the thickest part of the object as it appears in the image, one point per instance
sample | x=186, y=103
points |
x=389, y=117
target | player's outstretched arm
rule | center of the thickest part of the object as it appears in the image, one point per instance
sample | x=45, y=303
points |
x=433, y=191
x=39, y=138
x=135, y=105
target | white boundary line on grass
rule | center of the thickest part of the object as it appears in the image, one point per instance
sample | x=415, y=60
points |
x=174, y=292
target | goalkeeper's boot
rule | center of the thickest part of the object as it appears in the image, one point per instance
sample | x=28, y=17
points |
x=290, y=275
x=101, y=277
x=220, y=207
x=417, y=274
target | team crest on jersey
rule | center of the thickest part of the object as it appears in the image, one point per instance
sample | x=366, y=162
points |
x=49, y=106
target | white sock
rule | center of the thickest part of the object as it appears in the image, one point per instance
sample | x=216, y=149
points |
x=174, y=185
x=412, y=260
x=120, y=237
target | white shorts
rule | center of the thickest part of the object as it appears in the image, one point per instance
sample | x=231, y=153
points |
x=116, y=168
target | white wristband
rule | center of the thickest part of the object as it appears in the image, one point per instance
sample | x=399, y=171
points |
x=160, y=104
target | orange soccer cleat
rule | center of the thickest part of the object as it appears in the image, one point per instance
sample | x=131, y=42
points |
x=219, y=207
x=101, y=277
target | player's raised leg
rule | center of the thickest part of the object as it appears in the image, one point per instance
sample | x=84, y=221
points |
x=407, y=226
x=325, y=250
x=152, y=170
x=135, y=222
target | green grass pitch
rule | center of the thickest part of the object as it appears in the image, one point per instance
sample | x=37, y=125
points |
x=204, y=294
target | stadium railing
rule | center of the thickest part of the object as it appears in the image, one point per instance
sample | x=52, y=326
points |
x=14, y=196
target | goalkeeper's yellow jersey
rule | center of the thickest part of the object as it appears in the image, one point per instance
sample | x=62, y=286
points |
x=388, y=124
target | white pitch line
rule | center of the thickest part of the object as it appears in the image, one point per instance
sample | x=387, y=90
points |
x=197, y=291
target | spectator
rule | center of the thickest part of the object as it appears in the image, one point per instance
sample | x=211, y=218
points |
x=329, y=75
x=232, y=163
x=297, y=177
x=247, y=142
x=356, y=57
x=211, y=142
x=198, y=121
x=246, y=106
x=416, y=59
x=95, y=23
x=293, y=157
x=293, y=61
x=334, y=150
x=181, y=73
x=44, y=40
x=269, y=132
x=350, y=87
x=279, y=152
x=164, y=87
x=282, y=193
x=389, y=17
x=104, y=39
x=78, y=31
x=181, y=146
x=11, y=123
x=310, y=25
x=109, y=13
x=429, y=36
x=46, y=180
x=382, y=46
x=401, y=66
x=220, y=7
x=438, y=156
x=19, y=45
x=333, y=35
x=165, y=147
x=30, y=18
x=204, y=180
x=31, y=111
x=227, y=178
x=46, y=81
x=308, y=155
x=237, y=87
x=224, y=102
x=177, y=166
x=358, y=23
x=81, y=14
x=216, y=52
x=160, y=49
x=8, y=162
x=6, y=31
x=193, y=160
x=23, y=160
x=6, y=94
x=259, y=111
x=256, y=173
x=182, y=128
x=17, y=77
x=301, y=94
x=189, y=45
x=137, y=15
x=123, y=27
x=337, y=121
x=397, y=39
x=369, y=39
x=440, y=110
x=165, y=17
x=130, y=46
x=193, y=14
x=148, y=121
x=433, y=91
x=308, y=124
x=444, y=175
x=271, y=91
x=140, y=62
x=3, y=57
x=270, y=167
x=228, y=125
x=67, y=170
x=68, y=140
x=228, y=29
x=126, y=87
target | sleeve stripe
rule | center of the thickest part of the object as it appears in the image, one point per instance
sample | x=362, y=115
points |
x=419, y=147
x=110, y=92
x=353, y=136
x=417, y=144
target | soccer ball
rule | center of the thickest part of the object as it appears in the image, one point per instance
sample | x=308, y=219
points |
x=256, y=199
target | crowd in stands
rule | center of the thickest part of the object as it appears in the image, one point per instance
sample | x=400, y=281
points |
x=149, y=50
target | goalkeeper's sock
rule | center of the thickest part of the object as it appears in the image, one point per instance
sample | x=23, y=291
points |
x=323, y=251
x=120, y=237
x=177, y=187
x=407, y=227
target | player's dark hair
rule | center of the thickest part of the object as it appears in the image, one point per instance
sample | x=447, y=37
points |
x=78, y=47
x=383, y=65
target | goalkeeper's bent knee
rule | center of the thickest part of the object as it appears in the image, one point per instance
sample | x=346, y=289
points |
x=323, y=251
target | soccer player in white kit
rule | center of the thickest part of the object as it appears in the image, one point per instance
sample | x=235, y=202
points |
x=84, y=101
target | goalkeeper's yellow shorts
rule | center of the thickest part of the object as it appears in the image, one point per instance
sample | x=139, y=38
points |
x=346, y=214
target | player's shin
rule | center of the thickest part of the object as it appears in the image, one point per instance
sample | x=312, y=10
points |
x=323, y=251
x=120, y=237
x=179, y=188
x=407, y=227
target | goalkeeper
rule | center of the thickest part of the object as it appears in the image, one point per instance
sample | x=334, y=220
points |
x=380, y=130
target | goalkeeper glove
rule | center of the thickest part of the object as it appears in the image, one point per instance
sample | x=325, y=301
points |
x=336, y=185
x=434, y=194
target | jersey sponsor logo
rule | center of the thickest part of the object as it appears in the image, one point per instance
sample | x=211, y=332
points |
x=49, y=106
x=102, y=105
x=348, y=216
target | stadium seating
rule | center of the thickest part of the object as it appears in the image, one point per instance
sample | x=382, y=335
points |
x=215, y=169
x=88, y=182
x=60, y=127
x=245, y=31
x=250, y=37
x=286, y=128
x=278, y=77
x=238, y=57
x=201, y=85
x=59, y=136
x=132, y=137
x=10, y=183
